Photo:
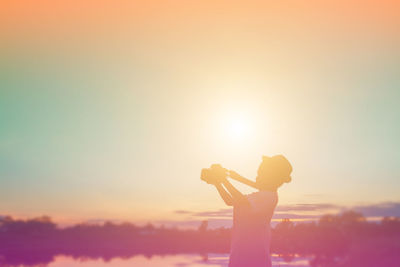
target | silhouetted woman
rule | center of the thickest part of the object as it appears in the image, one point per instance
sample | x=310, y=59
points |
x=252, y=213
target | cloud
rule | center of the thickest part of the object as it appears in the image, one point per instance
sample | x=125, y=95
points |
x=291, y=211
x=295, y=216
x=379, y=210
x=305, y=211
x=369, y=210
x=195, y=223
x=183, y=212
x=102, y=221
x=308, y=207
x=218, y=213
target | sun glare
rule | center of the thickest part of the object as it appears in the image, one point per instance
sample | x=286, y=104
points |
x=238, y=128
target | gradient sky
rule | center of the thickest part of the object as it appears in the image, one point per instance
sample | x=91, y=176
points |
x=109, y=109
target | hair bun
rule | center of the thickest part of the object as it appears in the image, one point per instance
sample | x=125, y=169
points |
x=274, y=171
x=264, y=158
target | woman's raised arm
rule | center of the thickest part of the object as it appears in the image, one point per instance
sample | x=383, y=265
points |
x=237, y=196
x=235, y=176
x=224, y=195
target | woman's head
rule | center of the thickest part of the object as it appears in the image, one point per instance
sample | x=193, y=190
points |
x=273, y=172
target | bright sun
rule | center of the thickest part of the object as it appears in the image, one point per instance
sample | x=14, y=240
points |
x=238, y=128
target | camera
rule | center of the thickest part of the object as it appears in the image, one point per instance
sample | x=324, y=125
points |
x=215, y=174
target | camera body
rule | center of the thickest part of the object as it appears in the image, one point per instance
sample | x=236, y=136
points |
x=215, y=174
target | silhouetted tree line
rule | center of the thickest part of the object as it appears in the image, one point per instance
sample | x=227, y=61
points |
x=334, y=240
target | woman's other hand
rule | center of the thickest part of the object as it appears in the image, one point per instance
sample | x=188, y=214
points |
x=211, y=180
x=206, y=177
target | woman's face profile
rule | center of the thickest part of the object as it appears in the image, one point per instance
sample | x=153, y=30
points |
x=262, y=174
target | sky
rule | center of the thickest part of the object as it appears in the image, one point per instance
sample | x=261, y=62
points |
x=110, y=109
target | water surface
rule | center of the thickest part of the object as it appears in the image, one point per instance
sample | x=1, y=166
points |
x=181, y=260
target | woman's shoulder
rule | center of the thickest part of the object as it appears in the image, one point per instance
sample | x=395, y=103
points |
x=263, y=200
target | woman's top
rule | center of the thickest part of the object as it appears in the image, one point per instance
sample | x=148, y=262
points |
x=250, y=240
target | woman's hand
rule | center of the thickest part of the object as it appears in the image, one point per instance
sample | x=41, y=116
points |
x=226, y=197
x=214, y=175
x=211, y=180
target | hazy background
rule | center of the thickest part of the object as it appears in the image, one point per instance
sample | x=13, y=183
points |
x=109, y=110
